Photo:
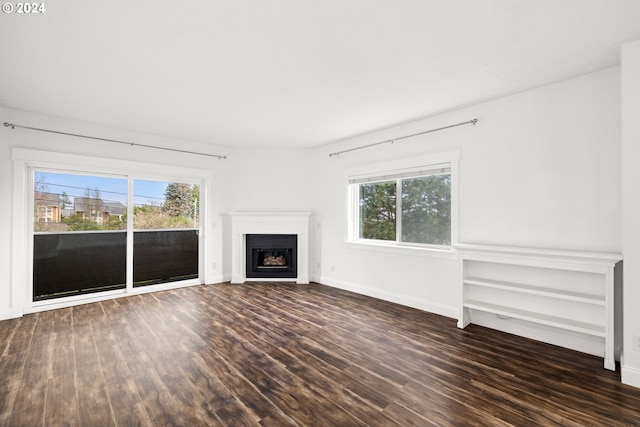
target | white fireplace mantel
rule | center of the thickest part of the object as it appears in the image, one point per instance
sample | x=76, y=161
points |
x=243, y=223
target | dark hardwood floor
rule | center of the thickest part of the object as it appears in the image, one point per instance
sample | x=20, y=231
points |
x=282, y=354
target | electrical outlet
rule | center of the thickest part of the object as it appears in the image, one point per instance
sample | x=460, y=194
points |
x=636, y=342
x=333, y=268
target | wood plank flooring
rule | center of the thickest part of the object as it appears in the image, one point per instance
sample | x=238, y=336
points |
x=276, y=354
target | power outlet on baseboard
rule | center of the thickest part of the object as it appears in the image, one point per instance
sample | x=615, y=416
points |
x=636, y=342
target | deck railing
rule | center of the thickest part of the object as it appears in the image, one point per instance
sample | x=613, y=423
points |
x=67, y=264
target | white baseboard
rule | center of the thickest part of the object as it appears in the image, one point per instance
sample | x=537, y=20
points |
x=219, y=279
x=630, y=375
x=7, y=313
x=420, y=304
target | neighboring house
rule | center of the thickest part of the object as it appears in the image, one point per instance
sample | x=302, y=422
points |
x=115, y=209
x=97, y=210
x=47, y=207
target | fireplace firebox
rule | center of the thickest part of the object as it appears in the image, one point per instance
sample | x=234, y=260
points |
x=272, y=256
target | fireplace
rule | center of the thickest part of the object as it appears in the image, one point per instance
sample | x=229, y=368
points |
x=271, y=255
x=286, y=248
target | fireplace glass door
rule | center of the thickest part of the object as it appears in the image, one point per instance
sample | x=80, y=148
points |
x=271, y=256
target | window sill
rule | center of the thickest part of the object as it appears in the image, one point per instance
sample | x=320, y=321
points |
x=444, y=253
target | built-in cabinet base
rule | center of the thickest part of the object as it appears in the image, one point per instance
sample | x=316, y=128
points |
x=567, y=290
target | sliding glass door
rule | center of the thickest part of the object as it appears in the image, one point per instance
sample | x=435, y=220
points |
x=165, y=240
x=79, y=239
x=86, y=227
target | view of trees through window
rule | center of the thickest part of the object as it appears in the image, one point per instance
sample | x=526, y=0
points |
x=66, y=203
x=378, y=210
x=179, y=207
x=424, y=210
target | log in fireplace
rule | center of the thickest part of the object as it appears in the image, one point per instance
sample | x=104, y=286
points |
x=272, y=256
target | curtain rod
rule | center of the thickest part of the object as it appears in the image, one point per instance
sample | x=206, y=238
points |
x=132, y=144
x=337, y=153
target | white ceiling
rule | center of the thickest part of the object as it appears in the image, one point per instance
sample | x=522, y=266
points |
x=295, y=73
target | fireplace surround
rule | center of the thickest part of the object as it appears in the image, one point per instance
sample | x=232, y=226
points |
x=269, y=225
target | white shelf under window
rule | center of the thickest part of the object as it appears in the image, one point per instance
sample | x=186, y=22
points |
x=574, y=293
x=538, y=290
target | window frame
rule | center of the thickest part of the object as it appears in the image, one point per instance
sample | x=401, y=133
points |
x=405, y=166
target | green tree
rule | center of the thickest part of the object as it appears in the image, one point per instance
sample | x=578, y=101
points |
x=114, y=222
x=178, y=199
x=179, y=210
x=182, y=200
x=378, y=210
x=65, y=202
x=426, y=210
x=77, y=223
x=148, y=217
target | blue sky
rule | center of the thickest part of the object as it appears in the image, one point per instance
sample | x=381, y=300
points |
x=111, y=189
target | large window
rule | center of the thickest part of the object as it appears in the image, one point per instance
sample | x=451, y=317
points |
x=81, y=224
x=402, y=205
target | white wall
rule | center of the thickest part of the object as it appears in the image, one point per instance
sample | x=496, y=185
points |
x=262, y=180
x=631, y=208
x=270, y=180
x=540, y=169
x=23, y=138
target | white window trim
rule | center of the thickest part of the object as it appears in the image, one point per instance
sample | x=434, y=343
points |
x=25, y=160
x=409, y=164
